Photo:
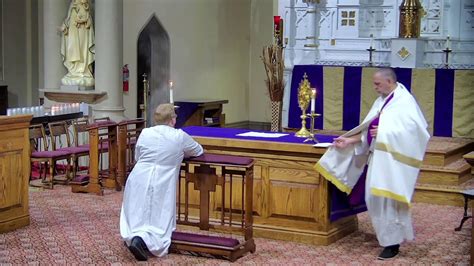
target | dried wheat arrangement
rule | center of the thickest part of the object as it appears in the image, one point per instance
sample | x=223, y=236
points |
x=274, y=65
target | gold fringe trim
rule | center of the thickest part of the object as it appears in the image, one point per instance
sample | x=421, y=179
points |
x=389, y=194
x=325, y=173
x=398, y=156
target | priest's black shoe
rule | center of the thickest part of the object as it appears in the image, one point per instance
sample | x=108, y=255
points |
x=389, y=252
x=137, y=247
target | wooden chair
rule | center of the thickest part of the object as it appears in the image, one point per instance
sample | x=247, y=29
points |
x=38, y=143
x=127, y=136
x=103, y=143
x=79, y=127
x=41, y=155
x=58, y=132
x=233, y=219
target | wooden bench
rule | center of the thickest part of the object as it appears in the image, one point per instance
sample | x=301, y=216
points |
x=218, y=174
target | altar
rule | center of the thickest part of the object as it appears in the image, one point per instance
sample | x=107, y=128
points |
x=291, y=200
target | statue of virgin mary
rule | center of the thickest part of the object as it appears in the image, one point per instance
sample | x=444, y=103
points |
x=77, y=44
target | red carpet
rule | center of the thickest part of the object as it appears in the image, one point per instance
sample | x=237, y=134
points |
x=69, y=228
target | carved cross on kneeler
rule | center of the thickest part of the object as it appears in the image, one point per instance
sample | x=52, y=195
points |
x=205, y=180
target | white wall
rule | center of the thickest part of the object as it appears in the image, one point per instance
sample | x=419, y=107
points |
x=210, y=42
x=14, y=49
x=20, y=51
x=215, y=50
x=261, y=32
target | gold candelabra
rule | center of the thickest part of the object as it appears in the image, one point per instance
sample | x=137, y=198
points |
x=305, y=95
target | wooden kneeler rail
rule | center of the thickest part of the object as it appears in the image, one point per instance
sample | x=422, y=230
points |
x=101, y=134
x=128, y=132
x=202, y=173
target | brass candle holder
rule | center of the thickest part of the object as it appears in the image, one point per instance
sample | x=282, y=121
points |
x=304, y=97
x=146, y=89
x=312, y=137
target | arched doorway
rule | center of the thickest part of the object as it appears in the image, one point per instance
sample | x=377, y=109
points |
x=153, y=59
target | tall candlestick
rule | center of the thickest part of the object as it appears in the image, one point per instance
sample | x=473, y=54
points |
x=278, y=30
x=171, y=92
x=313, y=100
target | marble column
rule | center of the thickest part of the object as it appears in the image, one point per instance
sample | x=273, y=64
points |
x=109, y=58
x=54, y=12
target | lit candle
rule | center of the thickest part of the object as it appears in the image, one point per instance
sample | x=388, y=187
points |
x=171, y=92
x=447, y=42
x=313, y=100
x=371, y=40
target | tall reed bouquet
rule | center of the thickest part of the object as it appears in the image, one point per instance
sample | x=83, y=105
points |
x=274, y=64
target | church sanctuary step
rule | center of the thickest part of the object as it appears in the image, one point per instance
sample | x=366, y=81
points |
x=442, y=194
x=442, y=151
x=455, y=173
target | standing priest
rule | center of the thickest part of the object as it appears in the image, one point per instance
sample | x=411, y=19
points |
x=392, y=140
x=148, y=215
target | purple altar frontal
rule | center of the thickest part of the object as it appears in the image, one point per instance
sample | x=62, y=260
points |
x=231, y=133
x=341, y=205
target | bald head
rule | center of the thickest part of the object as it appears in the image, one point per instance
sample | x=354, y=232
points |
x=387, y=73
x=385, y=81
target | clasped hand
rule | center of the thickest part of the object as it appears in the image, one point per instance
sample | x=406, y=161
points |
x=373, y=131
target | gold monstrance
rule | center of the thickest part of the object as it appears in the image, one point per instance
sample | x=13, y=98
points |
x=304, y=96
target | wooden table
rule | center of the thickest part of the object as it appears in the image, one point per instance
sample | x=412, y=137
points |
x=200, y=112
x=291, y=200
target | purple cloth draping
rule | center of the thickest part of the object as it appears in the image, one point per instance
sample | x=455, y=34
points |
x=184, y=112
x=444, y=103
x=231, y=133
x=343, y=205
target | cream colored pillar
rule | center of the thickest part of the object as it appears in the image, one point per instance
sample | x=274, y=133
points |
x=108, y=58
x=54, y=11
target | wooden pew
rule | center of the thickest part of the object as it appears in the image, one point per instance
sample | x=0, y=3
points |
x=102, y=135
x=216, y=173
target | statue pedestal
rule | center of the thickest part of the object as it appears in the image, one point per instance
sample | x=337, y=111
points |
x=407, y=53
x=76, y=88
x=73, y=96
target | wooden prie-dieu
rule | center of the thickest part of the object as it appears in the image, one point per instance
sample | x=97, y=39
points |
x=215, y=179
x=128, y=132
x=102, y=138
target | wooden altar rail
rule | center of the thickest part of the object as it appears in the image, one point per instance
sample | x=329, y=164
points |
x=207, y=173
x=99, y=134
